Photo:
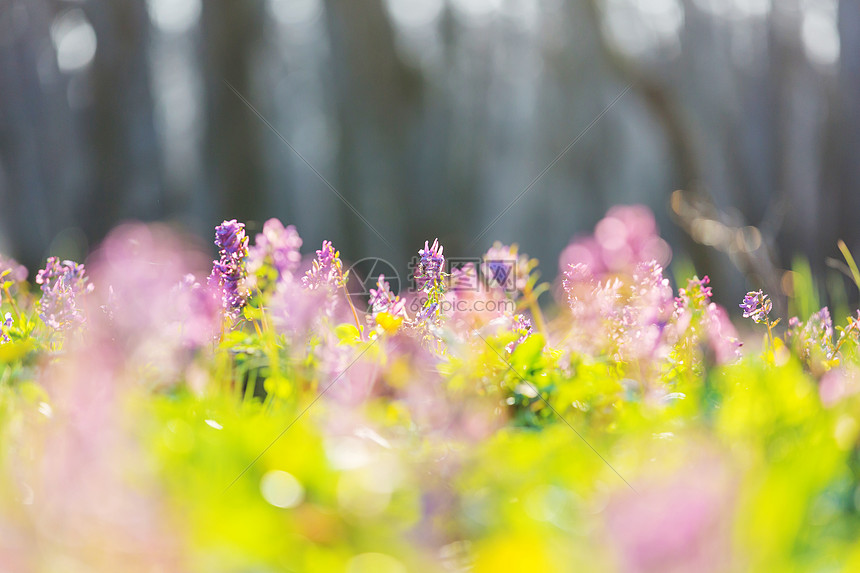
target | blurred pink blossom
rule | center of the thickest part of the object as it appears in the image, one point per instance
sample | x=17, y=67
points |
x=838, y=384
x=678, y=524
x=148, y=310
x=625, y=237
x=17, y=272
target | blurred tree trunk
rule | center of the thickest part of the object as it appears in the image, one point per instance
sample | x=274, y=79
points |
x=794, y=207
x=25, y=120
x=235, y=166
x=665, y=107
x=128, y=178
x=849, y=196
x=81, y=147
x=377, y=100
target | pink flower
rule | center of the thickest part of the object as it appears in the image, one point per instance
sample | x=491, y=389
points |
x=63, y=285
x=624, y=238
x=838, y=384
x=157, y=313
x=11, y=270
x=279, y=245
x=675, y=525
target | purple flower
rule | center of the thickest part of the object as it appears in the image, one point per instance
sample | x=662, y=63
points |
x=277, y=245
x=7, y=324
x=638, y=320
x=429, y=277
x=704, y=321
x=824, y=323
x=326, y=270
x=814, y=337
x=62, y=284
x=431, y=266
x=697, y=294
x=522, y=326
x=383, y=300
x=757, y=306
x=228, y=272
x=430, y=311
x=230, y=236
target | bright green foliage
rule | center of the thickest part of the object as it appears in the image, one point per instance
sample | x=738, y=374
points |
x=348, y=447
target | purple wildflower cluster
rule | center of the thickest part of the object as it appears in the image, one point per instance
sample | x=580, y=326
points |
x=521, y=326
x=757, y=306
x=430, y=269
x=636, y=319
x=228, y=272
x=430, y=277
x=7, y=324
x=383, y=300
x=458, y=311
x=277, y=246
x=697, y=293
x=813, y=339
x=621, y=303
x=326, y=270
x=387, y=311
x=622, y=316
x=707, y=322
x=62, y=284
x=144, y=392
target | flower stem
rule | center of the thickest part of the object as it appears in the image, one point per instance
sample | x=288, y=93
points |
x=539, y=319
x=351, y=306
x=14, y=305
x=531, y=301
x=843, y=337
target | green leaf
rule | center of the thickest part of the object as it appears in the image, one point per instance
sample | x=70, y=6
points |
x=855, y=273
x=528, y=353
x=251, y=313
x=805, y=299
x=347, y=333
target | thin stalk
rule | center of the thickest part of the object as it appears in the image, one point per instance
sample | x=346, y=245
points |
x=352, y=308
x=770, y=334
x=263, y=319
x=14, y=305
x=530, y=301
x=251, y=386
x=844, y=337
